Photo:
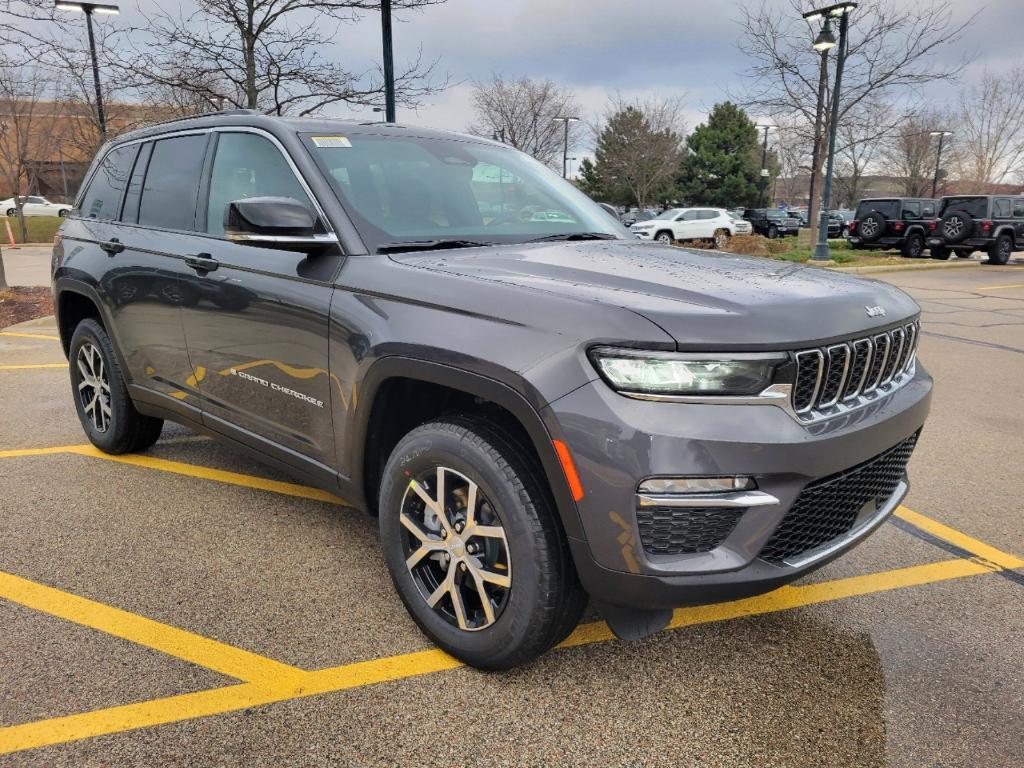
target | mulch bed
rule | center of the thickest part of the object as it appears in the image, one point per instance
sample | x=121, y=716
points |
x=19, y=304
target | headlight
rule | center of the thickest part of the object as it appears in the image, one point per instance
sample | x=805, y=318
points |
x=674, y=373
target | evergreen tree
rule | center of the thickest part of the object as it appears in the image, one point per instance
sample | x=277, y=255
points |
x=723, y=160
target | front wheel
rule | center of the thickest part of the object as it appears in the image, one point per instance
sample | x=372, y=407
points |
x=773, y=232
x=665, y=238
x=63, y=212
x=721, y=239
x=1001, y=250
x=474, y=546
x=12, y=212
x=104, y=407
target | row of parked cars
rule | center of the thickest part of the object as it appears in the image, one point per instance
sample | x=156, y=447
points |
x=718, y=224
x=956, y=225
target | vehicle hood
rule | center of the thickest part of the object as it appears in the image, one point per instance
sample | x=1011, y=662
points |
x=703, y=299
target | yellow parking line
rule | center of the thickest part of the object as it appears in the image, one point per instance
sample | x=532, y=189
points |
x=962, y=540
x=220, y=657
x=189, y=470
x=27, y=367
x=29, y=335
x=233, y=698
x=997, y=287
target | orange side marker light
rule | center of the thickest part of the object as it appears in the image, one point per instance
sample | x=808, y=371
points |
x=569, y=468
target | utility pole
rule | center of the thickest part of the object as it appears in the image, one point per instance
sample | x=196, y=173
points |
x=938, y=159
x=389, y=61
x=764, y=165
x=565, y=146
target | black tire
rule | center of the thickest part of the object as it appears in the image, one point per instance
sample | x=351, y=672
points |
x=913, y=246
x=1001, y=249
x=940, y=252
x=63, y=212
x=872, y=227
x=12, y=212
x=963, y=253
x=956, y=226
x=126, y=430
x=773, y=232
x=664, y=237
x=544, y=601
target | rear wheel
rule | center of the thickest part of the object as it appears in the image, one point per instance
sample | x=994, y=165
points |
x=773, y=231
x=913, y=246
x=473, y=544
x=104, y=407
x=1001, y=249
x=664, y=237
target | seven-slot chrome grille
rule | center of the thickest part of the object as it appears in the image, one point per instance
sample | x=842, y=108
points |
x=853, y=371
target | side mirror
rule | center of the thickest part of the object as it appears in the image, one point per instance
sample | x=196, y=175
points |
x=274, y=222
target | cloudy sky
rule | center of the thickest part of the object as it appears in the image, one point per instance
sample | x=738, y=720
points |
x=600, y=47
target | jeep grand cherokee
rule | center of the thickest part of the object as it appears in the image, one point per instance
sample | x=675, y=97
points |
x=541, y=410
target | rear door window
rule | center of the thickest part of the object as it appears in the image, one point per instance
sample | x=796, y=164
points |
x=888, y=208
x=102, y=199
x=1018, y=208
x=928, y=210
x=911, y=209
x=171, y=188
x=1001, y=208
x=977, y=207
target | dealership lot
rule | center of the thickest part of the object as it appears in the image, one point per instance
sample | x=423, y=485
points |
x=186, y=607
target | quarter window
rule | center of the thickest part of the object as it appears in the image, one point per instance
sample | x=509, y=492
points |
x=706, y=214
x=928, y=210
x=248, y=165
x=1001, y=208
x=102, y=199
x=172, y=182
x=1018, y=208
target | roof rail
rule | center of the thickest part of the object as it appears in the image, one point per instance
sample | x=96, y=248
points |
x=182, y=118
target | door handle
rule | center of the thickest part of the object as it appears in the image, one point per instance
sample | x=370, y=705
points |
x=202, y=262
x=112, y=246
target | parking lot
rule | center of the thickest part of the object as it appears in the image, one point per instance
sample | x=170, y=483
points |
x=187, y=607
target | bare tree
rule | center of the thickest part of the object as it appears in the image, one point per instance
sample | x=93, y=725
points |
x=891, y=50
x=265, y=55
x=522, y=114
x=28, y=117
x=859, y=139
x=910, y=152
x=638, y=151
x=989, y=131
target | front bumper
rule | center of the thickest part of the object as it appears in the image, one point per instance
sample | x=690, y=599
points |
x=616, y=442
x=643, y=234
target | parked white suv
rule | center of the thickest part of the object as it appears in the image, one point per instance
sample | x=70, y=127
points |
x=35, y=206
x=688, y=224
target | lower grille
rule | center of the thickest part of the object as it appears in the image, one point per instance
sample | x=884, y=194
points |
x=673, y=531
x=828, y=508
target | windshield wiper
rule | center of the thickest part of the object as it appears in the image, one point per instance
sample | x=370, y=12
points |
x=574, y=236
x=429, y=245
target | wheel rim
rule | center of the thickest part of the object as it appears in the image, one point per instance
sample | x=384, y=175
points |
x=953, y=227
x=721, y=239
x=455, y=549
x=916, y=246
x=1004, y=248
x=664, y=239
x=869, y=228
x=94, y=386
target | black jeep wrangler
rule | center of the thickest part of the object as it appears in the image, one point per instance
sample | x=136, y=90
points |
x=890, y=223
x=772, y=222
x=968, y=223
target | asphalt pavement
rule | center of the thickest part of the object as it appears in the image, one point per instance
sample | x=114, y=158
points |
x=185, y=607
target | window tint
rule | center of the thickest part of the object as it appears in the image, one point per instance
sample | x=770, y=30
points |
x=36, y=200
x=102, y=199
x=928, y=210
x=1001, y=208
x=911, y=210
x=888, y=208
x=130, y=210
x=688, y=216
x=248, y=165
x=974, y=206
x=1018, y=207
x=172, y=183
x=707, y=214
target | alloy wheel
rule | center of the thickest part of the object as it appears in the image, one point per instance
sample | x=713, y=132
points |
x=94, y=386
x=953, y=227
x=455, y=548
x=869, y=228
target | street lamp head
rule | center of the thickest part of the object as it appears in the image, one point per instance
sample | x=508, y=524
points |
x=839, y=9
x=566, y=118
x=940, y=133
x=825, y=39
x=81, y=7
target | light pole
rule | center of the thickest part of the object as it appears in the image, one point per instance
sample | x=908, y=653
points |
x=89, y=9
x=565, y=147
x=938, y=158
x=812, y=212
x=824, y=41
x=389, y=61
x=764, y=164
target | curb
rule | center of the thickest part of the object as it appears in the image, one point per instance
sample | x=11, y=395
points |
x=40, y=322
x=872, y=269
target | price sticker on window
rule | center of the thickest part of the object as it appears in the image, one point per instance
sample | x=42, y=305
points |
x=331, y=142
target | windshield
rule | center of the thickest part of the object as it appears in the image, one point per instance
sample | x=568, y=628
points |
x=671, y=213
x=406, y=189
x=977, y=207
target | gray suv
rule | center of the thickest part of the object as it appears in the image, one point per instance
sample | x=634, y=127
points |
x=541, y=409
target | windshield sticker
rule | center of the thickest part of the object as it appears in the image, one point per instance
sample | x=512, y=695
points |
x=331, y=142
